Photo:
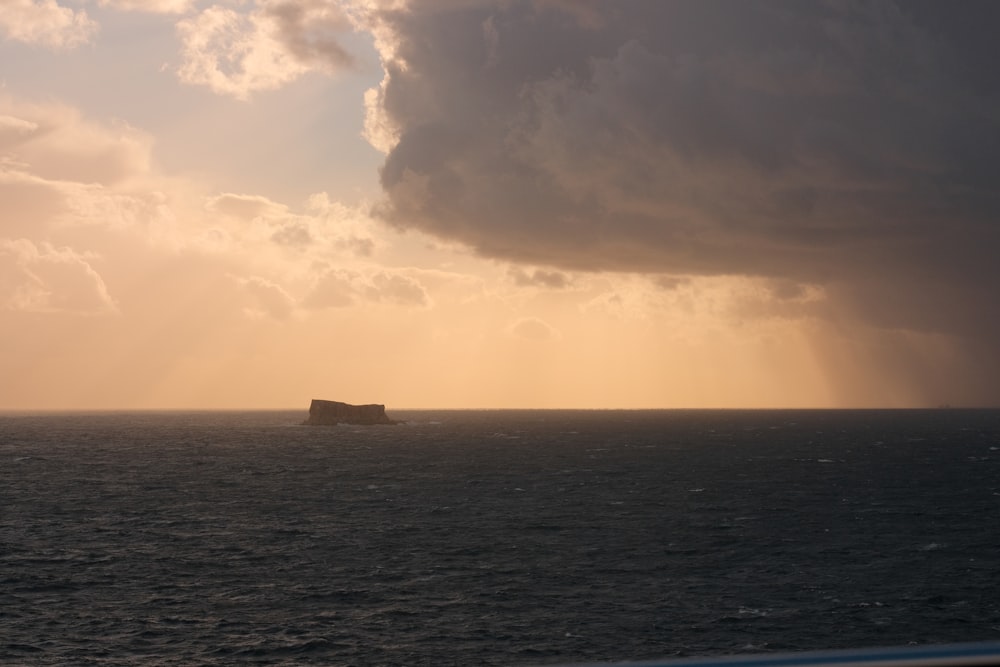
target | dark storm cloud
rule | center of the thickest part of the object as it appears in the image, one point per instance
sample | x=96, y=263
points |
x=854, y=146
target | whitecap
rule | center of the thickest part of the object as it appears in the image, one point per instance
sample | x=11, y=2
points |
x=750, y=611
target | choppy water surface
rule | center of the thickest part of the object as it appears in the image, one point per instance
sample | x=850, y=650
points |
x=497, y=538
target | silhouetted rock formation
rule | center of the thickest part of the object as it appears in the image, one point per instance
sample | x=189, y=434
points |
x=330, y=413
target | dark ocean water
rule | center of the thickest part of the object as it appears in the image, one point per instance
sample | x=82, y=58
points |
x=493, y=538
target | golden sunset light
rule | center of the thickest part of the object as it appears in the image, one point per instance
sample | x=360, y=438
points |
x=415, y=333
x=494, y=205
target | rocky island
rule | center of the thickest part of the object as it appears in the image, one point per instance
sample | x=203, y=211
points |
x=331, y=413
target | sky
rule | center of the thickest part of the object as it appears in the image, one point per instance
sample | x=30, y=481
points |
x=499, y=204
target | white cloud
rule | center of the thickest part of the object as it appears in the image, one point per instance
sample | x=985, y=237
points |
x=322, y=227
x=151, y=6
x=532, y=328
x=56, y=142
x=39, y=207
x=234, y=54
x=338, y=288
x=46, y=23
x=13, y=129
x=333, y=289
x=29, y=203
x=238, y=54
x=45, y=279
x=271, y=298
x=379, y=129
x=61, y=172
x=396, y=289
x=293, y=235
x=245, y=206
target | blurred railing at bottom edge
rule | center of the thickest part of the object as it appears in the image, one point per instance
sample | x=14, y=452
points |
x=936, y=655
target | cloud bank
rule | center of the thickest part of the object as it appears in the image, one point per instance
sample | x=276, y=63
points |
x=850, y=147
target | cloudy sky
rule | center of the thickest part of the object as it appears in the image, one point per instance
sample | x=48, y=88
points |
x=499, y=203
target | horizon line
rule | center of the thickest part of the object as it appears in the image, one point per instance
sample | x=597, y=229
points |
x=77, y=410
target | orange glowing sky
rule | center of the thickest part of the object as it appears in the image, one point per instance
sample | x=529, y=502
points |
x=531, y=204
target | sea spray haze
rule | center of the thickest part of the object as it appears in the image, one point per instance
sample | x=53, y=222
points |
x=493, y=537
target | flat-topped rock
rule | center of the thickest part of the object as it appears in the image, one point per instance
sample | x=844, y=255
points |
x=330, y=413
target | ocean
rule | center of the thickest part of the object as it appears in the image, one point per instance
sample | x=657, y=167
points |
x=493, y=537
